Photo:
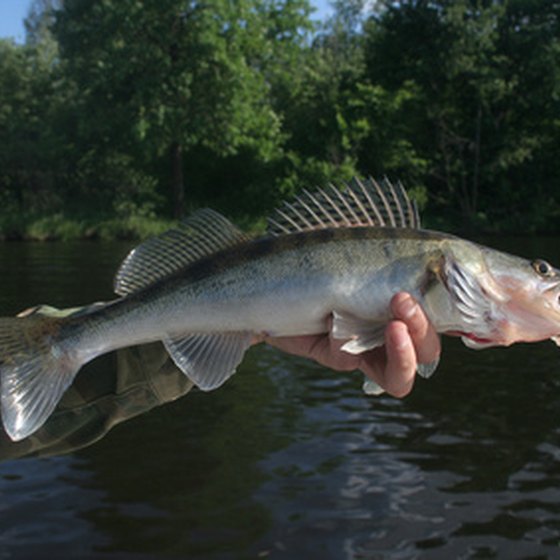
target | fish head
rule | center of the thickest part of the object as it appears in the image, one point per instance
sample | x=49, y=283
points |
x=527, y=297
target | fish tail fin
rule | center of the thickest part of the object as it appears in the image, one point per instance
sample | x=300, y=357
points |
x=35, y=370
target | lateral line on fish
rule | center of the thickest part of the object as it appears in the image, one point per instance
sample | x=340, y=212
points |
x=205, y=289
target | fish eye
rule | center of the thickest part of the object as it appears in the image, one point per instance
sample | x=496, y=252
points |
x=542, y=267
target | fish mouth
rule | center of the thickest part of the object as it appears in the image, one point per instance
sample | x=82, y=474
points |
x=555, y=285
x=476, y=339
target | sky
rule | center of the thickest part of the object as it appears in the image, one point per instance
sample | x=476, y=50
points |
x=12, y=13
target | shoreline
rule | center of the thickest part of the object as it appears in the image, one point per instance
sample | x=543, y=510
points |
x=59, y=228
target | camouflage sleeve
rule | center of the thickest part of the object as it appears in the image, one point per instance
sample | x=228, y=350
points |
x=144, y=377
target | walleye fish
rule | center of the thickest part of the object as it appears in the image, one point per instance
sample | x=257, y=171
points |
x=205, y=289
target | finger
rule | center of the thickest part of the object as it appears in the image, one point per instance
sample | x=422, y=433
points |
x=424, y=337
x=257, y=338
x=305, y=346
x=398, y=376
x=315, y=347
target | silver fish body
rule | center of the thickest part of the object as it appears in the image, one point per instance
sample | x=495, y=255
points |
x=280, y=287
x=284, y=287
x=292, y=285
x=205, y=291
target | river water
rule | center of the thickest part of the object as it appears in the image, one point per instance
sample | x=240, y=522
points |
x=291, y=461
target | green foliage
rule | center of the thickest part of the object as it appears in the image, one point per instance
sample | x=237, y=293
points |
x=132, y=227
x=164, y=78
x=61, y=227
x=116, y=114
x=56, y=226
x=25, y=91
x=483, y=117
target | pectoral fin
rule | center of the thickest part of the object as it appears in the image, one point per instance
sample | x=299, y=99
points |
x=370, y=387
x=209, y=360
x=427, y=370
x=361, y=335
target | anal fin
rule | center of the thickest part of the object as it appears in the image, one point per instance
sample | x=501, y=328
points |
x=209, y=360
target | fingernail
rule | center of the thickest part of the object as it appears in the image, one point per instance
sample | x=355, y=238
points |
x=408, y=308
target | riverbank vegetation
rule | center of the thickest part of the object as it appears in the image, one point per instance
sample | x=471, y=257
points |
x=117, y=117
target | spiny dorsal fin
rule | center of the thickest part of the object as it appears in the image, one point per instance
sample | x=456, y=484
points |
x=359, y=203
x=200, y=235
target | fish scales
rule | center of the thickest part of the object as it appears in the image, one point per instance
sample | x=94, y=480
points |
x=282, y=286
x=205, y=290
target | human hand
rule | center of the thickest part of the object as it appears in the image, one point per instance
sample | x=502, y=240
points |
x=410, y=340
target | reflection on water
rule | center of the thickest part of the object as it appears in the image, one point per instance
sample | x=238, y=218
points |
x=289, y=460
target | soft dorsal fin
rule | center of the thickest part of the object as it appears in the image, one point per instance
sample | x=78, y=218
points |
x=359, y=203
x=205, y=232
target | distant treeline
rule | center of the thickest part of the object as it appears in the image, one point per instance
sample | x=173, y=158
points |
x=115, y=114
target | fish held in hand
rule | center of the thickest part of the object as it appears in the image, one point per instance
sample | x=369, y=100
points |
x=205, y=289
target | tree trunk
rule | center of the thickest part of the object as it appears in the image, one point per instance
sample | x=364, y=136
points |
x=177, y=181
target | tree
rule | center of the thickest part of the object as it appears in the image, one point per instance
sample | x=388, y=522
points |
x=322, y=139
x=38, y=23
x=484, y=108
x=26, y=94
x=161, y=78
x=527, y=170
x=340, y=122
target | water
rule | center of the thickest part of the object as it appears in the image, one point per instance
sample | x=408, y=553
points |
x=290, y=460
